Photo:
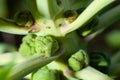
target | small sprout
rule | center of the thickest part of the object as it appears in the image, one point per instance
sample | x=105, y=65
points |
x=78, y=60
x=70, y=16
x=24, y=19
x=45, y=73
x=44, y=45
x=27, y=48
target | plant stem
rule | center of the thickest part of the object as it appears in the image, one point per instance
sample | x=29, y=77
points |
x=90, y=73
x=10, y=27
x=33, y=8
x=56, y=65
x=48, y=8
x=31, y=64
x=87, y=14
x=105, y=20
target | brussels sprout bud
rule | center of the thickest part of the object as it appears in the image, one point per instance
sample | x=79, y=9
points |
x=45, y=74
x=78, y=60
x=44, y=45
x=27, y=48
x=70, y=16
x=24, y=19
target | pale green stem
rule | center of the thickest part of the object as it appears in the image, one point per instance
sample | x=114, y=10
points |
x=90, y=73
x=86, y=15
x=62, y=67
x=105, y=20
x=9, y=26
x=31, y=64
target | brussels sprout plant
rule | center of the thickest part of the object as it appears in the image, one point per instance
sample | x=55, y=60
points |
x=56, y=34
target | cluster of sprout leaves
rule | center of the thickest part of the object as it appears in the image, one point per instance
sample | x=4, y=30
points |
x=52, y=46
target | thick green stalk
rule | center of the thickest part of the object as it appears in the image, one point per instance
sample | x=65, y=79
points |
x=10, y=27
x=48, y=8
x=45, y=13
x=105, y=20
x=88, y=13
x=90, y=73
x=56, y=65
x=33, y=8
x=33, y=63
x=44, y=8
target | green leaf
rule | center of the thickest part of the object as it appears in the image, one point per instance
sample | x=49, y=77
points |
x=22, y=69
